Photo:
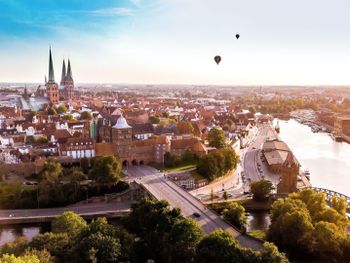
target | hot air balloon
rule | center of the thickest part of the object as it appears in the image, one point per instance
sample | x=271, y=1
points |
x=237, y=36
x=217, y=59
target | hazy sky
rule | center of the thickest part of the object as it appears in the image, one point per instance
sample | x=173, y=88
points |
x=175, y=41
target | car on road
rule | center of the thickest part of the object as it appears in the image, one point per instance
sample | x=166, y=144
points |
x=195, y=214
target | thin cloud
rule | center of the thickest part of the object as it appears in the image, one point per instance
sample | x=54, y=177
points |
x=115, y=11
x=136, y=3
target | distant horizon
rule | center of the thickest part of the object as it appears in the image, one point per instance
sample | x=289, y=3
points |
x=183, y=84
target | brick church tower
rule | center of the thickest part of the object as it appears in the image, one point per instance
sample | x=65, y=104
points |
x=67, y=84
x=51, y=85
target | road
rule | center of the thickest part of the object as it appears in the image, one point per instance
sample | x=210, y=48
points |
x=83, y=210
x=162, y=188
x=234, y=185
x=252, y=158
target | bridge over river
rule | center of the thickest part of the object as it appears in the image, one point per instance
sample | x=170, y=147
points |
x=158, y=186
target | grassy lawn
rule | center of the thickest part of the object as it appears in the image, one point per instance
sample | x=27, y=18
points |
x=258, y=234
x=181, y=168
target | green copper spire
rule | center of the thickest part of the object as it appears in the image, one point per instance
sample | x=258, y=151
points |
x=63, y=71
x=51, y=72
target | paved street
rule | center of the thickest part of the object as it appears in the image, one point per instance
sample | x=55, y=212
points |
x=84, y=209
x=252, y=158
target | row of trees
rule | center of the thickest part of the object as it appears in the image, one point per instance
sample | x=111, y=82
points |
x=188, y=157
x=58, y=186
x=307, y=227
x=151, y=233
x=217, y=163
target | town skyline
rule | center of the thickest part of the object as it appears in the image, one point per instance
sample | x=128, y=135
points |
x=163, y=42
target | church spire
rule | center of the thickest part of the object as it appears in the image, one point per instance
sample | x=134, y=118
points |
x=51, y=72
x=69, y=71
x=64, y=72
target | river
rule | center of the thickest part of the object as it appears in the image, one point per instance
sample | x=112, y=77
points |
x=328, y=161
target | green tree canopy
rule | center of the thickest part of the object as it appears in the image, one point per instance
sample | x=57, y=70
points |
x=216, y=138
x=235, y=214
x=51, y=111
x=184, y=237
x=86, y=115
x=70, y=223
x=261, y=190
x=62, y=108
x=105, y=170
x=6, y=258
x=58, y=244
x=51, y=171
x=68, y=117
x=304, y=225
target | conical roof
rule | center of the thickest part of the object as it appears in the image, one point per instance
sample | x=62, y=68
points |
x=51, y=71
x=121, y=124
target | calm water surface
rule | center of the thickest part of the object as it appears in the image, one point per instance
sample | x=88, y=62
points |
x=11, y=233
x=328, y=161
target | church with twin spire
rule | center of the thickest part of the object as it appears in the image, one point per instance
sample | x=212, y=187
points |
x=53, y=91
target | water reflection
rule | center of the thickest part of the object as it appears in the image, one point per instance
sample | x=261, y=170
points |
x=11, y=233
x=328, y=161
x=258, y=220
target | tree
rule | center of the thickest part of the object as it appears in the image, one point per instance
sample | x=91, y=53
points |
x=107, y=248
x=42, y=140
x=43, y=255
x=69, y=223
x=154, y=120
x=212, y=195
x=6, y=258
x=86, y=115
x=30, y=139
x=16, y=247
x=68, y=117
x=328, y=241
x=51, y=171
x=184, y=237
x=220, y=246
x=231, y=159
x=270, y=254
x=224, y=195
x=235, y=214
x=207, y=167
x=216, y=138
x=62, y=108
x=339, y=204
x=85, y=164
x=51, y=111
x=261, y=189
x=290, y=224
x=105, y=170
x=58, y=244
x=185, y=127
x=151, y=221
